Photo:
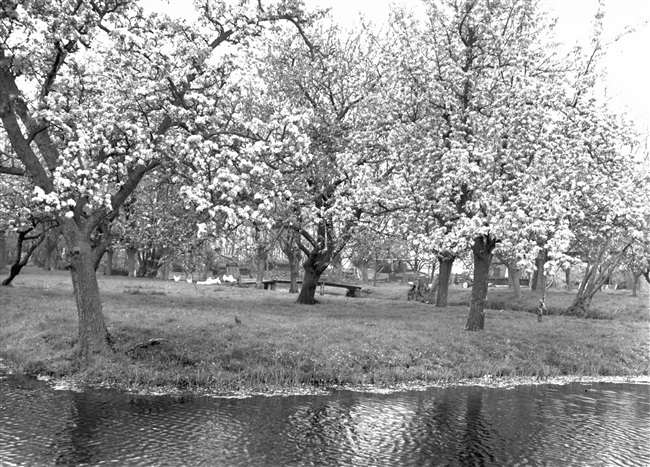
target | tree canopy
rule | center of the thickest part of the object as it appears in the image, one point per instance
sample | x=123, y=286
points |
x=461, y=130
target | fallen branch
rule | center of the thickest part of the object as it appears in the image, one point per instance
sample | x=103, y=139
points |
x=145, y=345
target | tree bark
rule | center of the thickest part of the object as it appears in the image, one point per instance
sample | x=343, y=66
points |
x=259, y=276
x=109, y=262
x=513, y=276
x=94, y=338
x=293, y=276
x=446, y=263
x=14, y=270
x=314, y=266
x=309, y=285
x=482, y=252
x=539, y=278
x=567, y=278
x=533, y=280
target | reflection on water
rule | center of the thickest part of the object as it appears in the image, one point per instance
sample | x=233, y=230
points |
x=591, y=425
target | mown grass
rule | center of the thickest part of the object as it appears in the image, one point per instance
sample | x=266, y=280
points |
x=279, y=344
x=607, y=304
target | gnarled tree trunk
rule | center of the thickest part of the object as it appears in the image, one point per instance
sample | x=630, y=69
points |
x=446, y=263
x=94, y=338
x=314, y=267
x=482, y=252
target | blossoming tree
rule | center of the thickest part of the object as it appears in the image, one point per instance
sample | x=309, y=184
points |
x=95, y=95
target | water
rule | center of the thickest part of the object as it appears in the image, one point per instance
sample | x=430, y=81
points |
x=592, y=425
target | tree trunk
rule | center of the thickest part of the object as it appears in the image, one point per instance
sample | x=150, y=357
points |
x=148, y=259
x=482, y=252
x=433, y=289
x=533, y=280
x=259, y=276
x=94, y=338
x=51, y=250
x=23, y=258
x=446, y=263
x=635, y=283
x=513, y=277
x=131, y=254
x=363, y=271
x=314, y=267
x=293, y=276
x=3, y=249
x=567, y=278
x=377, y=269
x=539, y=278
x=294, y=255
x=309, y=285
x=14, y=270
x=337, y=265
x=580, y=306
x=165, y=271
x=109, y=262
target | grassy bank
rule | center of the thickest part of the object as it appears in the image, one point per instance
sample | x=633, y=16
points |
x=197, y=343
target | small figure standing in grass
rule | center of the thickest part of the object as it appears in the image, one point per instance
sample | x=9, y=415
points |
x=541, y=309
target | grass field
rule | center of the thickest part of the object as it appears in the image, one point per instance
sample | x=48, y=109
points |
x=379, y=338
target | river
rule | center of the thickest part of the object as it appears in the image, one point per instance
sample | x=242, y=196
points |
x=599, y=424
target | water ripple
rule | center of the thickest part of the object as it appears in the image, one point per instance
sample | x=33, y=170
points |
x=596, y=425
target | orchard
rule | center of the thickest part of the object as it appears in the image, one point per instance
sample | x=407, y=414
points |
x=260, y=126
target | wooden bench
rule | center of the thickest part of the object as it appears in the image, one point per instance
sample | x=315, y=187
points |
x=353, y=290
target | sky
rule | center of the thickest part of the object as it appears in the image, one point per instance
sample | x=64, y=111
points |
x=627, y=61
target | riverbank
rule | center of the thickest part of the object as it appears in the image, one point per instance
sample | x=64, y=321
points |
x=175, y=336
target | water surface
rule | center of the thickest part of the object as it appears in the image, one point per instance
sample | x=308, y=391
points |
x=599, y=424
